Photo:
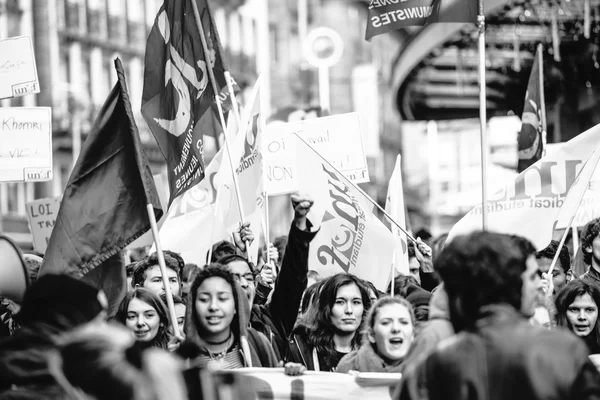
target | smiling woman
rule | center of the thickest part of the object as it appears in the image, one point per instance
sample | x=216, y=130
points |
x=145, y=314
x=577, y=307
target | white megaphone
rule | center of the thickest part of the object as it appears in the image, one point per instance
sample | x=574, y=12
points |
x=14, y=279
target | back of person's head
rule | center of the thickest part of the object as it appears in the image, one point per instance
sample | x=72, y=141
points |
x=419, y=298
x=139, y=274
x=480, y=269
x=106, y=364
x=220, y=250
x=153, y=300
x=130, y=269
x=60, y=303
x=401, y=282
x=550, y=252
x=567, y=295
x=588, y=234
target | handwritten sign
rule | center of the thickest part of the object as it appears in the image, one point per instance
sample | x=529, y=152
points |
x=26, y=150
x=41, y=215
x=337, y=138
x=18, y=73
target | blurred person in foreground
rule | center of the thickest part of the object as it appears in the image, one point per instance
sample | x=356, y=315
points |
x=52, y=306
x=107, y=364
x=497, y=354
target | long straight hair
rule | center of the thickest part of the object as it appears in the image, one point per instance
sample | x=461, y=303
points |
x=322, y=331
x=161, y=339
x=567, y=296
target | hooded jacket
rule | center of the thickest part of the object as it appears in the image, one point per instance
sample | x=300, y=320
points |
x=366, y=359
x=434, y=330
x=255, y=349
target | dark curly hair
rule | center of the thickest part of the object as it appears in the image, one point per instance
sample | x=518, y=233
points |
x=567, y=296
x=480, y=269
x=139, y=274
x=550, y=252
x=401, y=282
x=322, y=331
x=588, y=234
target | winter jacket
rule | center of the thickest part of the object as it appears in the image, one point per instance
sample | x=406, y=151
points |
x=436, y=329
x=366, y=359
x=504, y=357
x=276, y=319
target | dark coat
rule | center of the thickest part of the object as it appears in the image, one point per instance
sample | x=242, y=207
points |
x=276, y=319
x=504, y=357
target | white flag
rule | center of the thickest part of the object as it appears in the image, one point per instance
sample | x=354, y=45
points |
x=394, y=206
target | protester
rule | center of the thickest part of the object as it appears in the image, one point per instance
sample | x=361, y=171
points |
x=180, y=308
x=189, y=273
x=419, y=299
x=147, y=274
x=106, y=364
x=53, y=305
x=577, y=309
x=590, y=247
x=544, y=259
x=341, y=305
x=420, y=265
x=497, y=354
x=401, y=283
x=144, y=313
x=129, y=270
x=389, y=335
x=217, y=330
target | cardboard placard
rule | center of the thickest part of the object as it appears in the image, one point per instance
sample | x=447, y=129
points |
x=18, y=73
x=41, y=215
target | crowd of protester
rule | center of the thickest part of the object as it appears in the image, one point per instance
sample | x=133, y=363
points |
x=480, y=317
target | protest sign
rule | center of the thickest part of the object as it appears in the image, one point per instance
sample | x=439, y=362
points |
x=272, y=383
x=337, y=138
x=41, y=215
x=26, y=151
x=18, y=73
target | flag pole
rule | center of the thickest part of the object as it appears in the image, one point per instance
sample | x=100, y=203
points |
x=355, y=186
x=540, y=50
x=213, y=82
x=482, y=115
x=163, y=271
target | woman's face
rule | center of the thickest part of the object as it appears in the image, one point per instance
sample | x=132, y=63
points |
x=582, y=315
x=143, y=320
x=215, y=308
x=348, y=308
x=392, y=331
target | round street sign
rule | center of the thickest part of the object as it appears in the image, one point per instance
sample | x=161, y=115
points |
x=323, y=47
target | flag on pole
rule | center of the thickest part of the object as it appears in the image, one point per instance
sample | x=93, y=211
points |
x=245, y=152
x=531, y=139
x=351, y=238
x=177, y=91
x=386, y=16
x=529, y=205
x=394, y=206
x=103, y=208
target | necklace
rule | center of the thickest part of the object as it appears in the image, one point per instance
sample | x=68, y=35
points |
x=218, y=343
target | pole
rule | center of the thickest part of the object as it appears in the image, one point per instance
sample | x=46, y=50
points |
x=324, y=88
x=213, y=82
x=540, y=50
x=355, y=186
x=575, y=237
x=163, y=270
x=482, y=115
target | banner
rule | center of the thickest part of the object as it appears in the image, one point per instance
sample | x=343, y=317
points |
x=338, y=138
x=532, y=136
x=25, y=144
x=273, y=384
x=394, y=206
x=390, y=15
x=177, y=91
x=41, y=215
x=529, y=205
x=351, y=238
x=18, y=72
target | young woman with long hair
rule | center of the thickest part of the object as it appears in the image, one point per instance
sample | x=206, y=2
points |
x=341, y=305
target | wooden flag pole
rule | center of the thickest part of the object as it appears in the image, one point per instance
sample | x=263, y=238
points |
x=213, y=82
x=482, y=115
x=163, y=271
x=355, y=186
x=540, y=51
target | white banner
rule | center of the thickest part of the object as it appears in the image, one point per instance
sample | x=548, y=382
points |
x=25, y=144
x=41, y=215
x=338, y=138
x=18, y=73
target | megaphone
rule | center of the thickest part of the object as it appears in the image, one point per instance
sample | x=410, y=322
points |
x=14, y=279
